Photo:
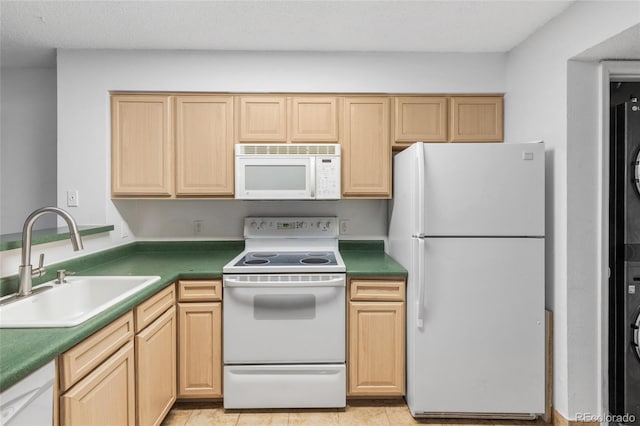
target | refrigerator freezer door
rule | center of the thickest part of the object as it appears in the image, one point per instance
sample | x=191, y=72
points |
x=405, y=219
x=483, y=190
x=481, y=348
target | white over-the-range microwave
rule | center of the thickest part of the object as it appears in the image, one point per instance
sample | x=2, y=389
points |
x=287, y=171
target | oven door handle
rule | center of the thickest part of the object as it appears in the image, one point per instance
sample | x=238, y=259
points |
x=271, y=282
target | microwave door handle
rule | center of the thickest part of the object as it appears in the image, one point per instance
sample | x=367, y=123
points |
x=312, y=177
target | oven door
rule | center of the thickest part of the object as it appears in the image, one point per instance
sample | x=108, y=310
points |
x=284, y=319
x=275, y=178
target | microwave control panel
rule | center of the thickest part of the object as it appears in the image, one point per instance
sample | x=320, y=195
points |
x=327, y=178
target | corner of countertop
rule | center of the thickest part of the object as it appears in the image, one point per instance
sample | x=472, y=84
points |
x=375, y=245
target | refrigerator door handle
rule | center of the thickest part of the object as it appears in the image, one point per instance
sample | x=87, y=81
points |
x=420, y=196
x=421, y=284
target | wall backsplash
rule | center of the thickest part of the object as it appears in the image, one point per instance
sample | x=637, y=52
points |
x=223, y=219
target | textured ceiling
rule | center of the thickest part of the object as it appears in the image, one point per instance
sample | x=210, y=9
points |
x=32, y=30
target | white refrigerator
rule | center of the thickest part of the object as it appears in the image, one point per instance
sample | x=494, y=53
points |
x=467, y=222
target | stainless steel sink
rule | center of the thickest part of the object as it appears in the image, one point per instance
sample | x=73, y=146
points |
x=72, y=303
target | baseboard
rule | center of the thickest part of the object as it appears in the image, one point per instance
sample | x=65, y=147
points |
x=559, y=420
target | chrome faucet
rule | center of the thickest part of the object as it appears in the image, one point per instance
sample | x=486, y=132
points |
x=26, y=271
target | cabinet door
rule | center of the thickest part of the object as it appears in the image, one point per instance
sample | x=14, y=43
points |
x=156, y=369
x=476, y=119
x=313, y=119
x=419, y=118
x=200, y=350
x=376, y=348
x=262, y=119
x=141, y=146
x=204, y=146
x=106, y=396
x=366, y=151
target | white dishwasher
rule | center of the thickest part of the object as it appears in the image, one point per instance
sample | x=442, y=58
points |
x=30, y=401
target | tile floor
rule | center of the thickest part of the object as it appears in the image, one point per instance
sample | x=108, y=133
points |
x=374, y=413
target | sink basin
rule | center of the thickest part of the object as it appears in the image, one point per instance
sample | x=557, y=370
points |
x=70, y=304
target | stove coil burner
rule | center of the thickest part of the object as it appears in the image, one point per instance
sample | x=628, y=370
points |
x=314, y=260
x=256, y=262
x=264, y=254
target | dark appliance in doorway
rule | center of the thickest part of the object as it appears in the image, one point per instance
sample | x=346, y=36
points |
x=624, y=256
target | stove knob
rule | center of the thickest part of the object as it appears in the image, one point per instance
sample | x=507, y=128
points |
x=328, y=225
x=253, y=225
x=262, y=224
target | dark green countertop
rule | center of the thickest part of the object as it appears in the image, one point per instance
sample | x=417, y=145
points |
x=22, y=351
x=368, y=258
x=41, y=236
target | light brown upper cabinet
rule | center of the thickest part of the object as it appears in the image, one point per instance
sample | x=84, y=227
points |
x=262, y=118
x=313, y=119
x=141, y=146
x=476, y=119
x=284, y=119
x=419, y=118
x=366, y=150
x=204, y=146
x=179, y=145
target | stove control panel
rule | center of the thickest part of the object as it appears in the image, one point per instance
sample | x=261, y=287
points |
x=291, y=227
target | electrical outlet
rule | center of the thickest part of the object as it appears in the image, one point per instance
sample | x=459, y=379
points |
x=124, y=229
x=344, y=226
x=198, y=227
x=73, y=198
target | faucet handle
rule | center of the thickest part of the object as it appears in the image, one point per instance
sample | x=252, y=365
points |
x=40, y=270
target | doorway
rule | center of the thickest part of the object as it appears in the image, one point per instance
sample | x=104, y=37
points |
x=624, y=248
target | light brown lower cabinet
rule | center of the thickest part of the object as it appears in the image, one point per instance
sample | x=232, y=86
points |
x=200, y=339
x=104, y=397
x=119, y=377
x=156, y=369
x=376, y=337
x=96, y=377
x=155, y=342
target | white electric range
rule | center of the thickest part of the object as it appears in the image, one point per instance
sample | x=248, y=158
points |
x=284, y=316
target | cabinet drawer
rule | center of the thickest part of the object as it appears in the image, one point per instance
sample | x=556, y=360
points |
x=391, y=290
x=80, y=360
x=148, y=311
x=199, y=290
